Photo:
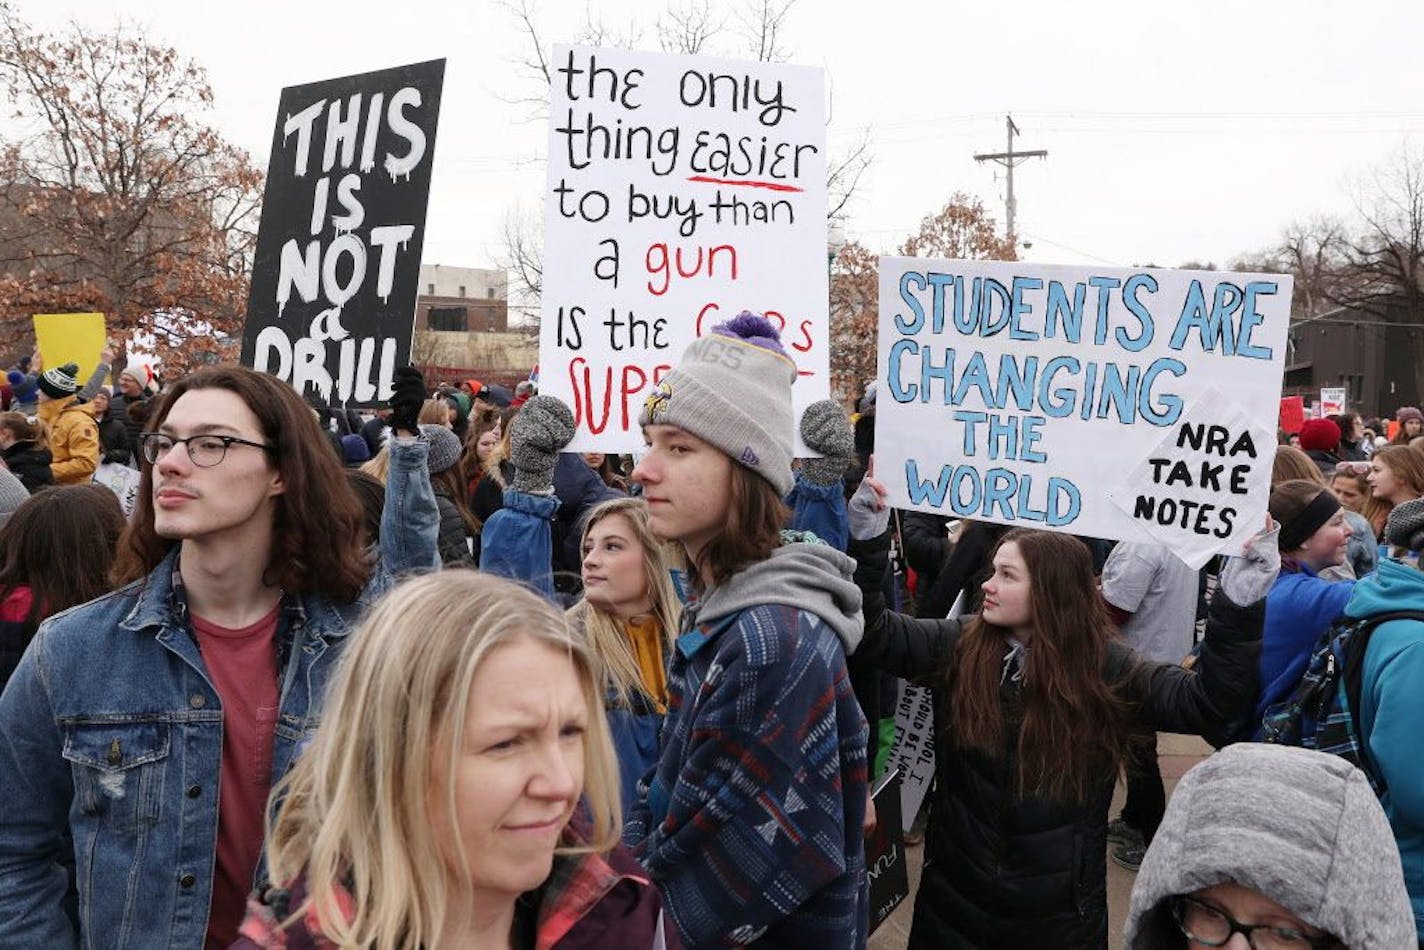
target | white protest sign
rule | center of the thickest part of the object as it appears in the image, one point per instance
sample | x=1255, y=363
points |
x=1023, y=393
x=1332, y=401
x=1201, y=469
x=122, y=481
x=682, y=190
x=912, y=751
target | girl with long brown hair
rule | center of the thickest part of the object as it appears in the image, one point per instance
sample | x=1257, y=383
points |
x=1035, y=699
x=1396, y=476
x=56, y=550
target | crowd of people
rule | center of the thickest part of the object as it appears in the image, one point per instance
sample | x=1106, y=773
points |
x=421, y=677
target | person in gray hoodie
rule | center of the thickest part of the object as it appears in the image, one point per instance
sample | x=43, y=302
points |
x=751, y=821
x=1275, y=839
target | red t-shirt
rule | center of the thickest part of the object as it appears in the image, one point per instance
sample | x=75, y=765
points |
x=243, y=667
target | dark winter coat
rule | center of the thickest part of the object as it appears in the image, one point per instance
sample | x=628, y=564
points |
x=926, y=543
x=453, y=544
x=1006, y=871
x=30, y=463
x=119, y=409
x=115, y=447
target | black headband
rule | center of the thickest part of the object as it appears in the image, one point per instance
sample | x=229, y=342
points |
x=1298, y=530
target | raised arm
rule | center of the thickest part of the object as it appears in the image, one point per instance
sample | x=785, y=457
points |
x=1223, y=683
x=410, y=520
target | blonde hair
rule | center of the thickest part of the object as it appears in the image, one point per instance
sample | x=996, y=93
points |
x=1291, y=464
x=379, y=466
x=355, y=810
x=434, y=412
x=606, y=634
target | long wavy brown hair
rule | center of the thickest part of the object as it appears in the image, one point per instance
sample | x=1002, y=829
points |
x=1072, y=727
x=317, y=532
x=60, y=544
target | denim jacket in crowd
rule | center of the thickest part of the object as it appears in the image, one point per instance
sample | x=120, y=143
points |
x=111, y=729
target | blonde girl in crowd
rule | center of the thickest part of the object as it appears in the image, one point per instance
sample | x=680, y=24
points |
x=629, y=613
x=462, y=791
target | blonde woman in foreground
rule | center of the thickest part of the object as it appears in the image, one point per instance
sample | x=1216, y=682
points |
x=462, y=792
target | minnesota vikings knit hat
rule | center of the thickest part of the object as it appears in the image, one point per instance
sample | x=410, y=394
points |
x=61, y=381
x=732, y=388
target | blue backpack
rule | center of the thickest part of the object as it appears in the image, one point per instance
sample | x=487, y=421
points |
x=1320, y=713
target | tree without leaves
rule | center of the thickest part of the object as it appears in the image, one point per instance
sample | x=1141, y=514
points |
x=116, y=198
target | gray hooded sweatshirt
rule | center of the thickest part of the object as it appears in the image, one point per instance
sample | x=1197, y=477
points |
x=1302, y=828
x=813, y=577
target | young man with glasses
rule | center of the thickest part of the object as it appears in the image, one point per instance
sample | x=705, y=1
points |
x=142, y=732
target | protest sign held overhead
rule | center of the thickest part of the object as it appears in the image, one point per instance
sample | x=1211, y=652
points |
x=682, y=190
x=71, y=338
x=1040, y=395
x=337, y=266
x=1332, y=401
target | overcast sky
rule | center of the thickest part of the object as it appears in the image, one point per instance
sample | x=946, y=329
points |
x=1175, y=132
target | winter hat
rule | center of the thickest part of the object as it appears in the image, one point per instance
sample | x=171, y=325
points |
x=22, y=390
x=733, y=389
x=1301, y=827
x=1319, y=434
x=60, y=381
x=462, y=403
x=1406, y=413
x=445, y=447
x=141, y=374
x=354, y=450
x=1405, y=526
x=13, y=494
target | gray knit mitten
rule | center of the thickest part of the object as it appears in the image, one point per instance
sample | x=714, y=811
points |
x=536, y=436
x=1248, y=578
x=825, y=428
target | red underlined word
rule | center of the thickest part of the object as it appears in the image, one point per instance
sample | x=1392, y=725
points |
x=774, y=186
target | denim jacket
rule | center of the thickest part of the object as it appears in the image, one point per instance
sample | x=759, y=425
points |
x=111, y=729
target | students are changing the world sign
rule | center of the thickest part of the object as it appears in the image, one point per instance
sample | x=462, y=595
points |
x=337, y=266
x=1127, y=404
x=681, y=191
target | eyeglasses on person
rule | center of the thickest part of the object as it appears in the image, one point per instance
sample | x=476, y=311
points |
x=1209, y=926
x=204, y=451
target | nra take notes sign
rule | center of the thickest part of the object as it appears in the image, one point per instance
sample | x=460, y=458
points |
x=1106, y=402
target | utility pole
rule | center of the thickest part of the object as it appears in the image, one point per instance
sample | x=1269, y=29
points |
x=1009, y=159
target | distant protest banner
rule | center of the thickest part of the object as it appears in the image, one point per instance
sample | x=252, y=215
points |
x=1126, y=404
x=337, y=266
x=71, y=338
x=682, y=190
x=1332, y=401
x=1292, y=415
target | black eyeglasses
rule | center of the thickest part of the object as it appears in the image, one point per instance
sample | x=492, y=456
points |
x=204, y=451
x=1212, y=927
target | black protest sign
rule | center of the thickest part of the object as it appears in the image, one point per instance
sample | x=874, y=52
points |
x=885, y=852
x=337, y=267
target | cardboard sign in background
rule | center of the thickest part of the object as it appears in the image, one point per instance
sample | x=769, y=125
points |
x=1332, y=401
x=71, y=338
x=337, y=266
x=1292, y=414
x=682, y=190
x=1031, y=394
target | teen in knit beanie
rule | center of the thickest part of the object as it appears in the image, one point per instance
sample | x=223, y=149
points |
x=732, y=389
x=60, y=382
